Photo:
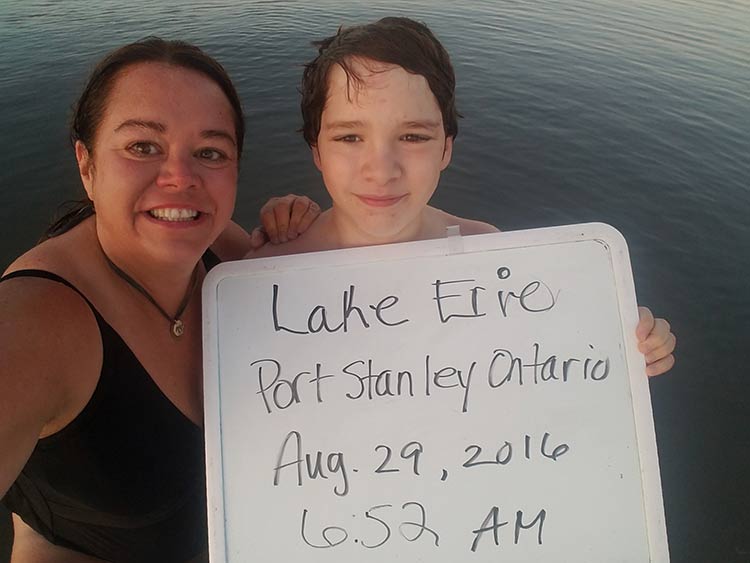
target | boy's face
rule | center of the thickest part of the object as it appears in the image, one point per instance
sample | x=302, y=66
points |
x=381, y=149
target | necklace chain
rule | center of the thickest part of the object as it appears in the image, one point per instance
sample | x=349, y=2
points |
x=176, y=325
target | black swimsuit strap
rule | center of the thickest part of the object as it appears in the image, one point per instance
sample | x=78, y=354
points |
x=209, y=258
x=31, y=273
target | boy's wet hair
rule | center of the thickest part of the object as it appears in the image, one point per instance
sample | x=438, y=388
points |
x=393, y=40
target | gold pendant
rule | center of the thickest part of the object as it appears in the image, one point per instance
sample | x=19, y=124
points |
x=178, y=327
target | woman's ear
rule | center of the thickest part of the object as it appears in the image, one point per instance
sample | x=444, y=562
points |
x=85, y=168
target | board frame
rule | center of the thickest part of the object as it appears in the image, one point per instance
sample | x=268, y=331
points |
x=601, y=233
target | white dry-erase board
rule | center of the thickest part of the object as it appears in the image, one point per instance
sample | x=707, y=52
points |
x=466, y=399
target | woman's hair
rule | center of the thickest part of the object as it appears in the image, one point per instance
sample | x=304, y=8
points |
x=92, y=104
x=392, y=40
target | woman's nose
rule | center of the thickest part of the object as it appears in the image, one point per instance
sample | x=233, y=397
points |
x=177, y=172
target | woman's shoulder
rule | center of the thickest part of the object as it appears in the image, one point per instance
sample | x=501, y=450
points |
x=39, y=293
x=50, y=345
x=41, y=310
x=45, y=323
x=60, y=254
x=232, y=244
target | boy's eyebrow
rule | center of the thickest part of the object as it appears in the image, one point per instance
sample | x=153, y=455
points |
x=161, y=128
x=424, y=124
x=344, y=124
x=419, y=123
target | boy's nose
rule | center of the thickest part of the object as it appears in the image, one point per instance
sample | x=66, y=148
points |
x=177, y=172
x=382, y=165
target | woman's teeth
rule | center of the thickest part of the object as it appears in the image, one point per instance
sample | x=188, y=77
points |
x=166, y=214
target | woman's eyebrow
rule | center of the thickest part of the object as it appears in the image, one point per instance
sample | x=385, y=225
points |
x=142, y=124
x=161, y=128
x=218, y=133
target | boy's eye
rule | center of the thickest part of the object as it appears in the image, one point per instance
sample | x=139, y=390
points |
x=143, y=148
x=348, y=138
x=213, y=155
x=415, y=138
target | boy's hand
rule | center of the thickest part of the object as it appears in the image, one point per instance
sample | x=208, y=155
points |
x=283, y=219
x=656, y=342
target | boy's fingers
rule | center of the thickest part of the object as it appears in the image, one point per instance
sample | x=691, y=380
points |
x=645, y=323
x=662, y=366
x=662, y=351
x=660, y=334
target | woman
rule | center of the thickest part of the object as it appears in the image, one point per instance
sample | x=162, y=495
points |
x=100, y=414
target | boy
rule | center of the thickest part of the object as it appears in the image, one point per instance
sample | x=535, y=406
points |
x=379, y=113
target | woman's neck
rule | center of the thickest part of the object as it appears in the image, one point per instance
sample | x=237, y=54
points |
x=166, y=282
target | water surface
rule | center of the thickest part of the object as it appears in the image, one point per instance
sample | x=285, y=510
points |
x=635, y=114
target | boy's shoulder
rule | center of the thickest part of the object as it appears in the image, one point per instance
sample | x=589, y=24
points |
x=441, y=220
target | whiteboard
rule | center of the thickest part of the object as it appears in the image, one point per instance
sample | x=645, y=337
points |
x=465, y=399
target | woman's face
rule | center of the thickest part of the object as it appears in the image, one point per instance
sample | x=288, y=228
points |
x=163, y=173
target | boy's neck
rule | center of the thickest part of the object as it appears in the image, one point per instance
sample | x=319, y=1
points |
x=344, y=233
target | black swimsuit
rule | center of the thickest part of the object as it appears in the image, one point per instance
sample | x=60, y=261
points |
x=125, y=480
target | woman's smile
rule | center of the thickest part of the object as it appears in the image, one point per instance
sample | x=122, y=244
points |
x=172, y=214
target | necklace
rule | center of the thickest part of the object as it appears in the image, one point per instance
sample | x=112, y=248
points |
x=176, y=325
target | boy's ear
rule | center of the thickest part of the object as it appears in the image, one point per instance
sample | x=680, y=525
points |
x=85, y=168
x=316, y=157
x=447, y=153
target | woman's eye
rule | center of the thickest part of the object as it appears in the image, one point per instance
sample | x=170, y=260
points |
x=213, y=155
x=143, y=148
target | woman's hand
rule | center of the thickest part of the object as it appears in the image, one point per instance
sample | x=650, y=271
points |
x=283, y=219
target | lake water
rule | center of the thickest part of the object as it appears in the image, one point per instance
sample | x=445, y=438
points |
x=632, y=113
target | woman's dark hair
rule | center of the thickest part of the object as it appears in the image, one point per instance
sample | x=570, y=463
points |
x=92, y=104
x=392, y=40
